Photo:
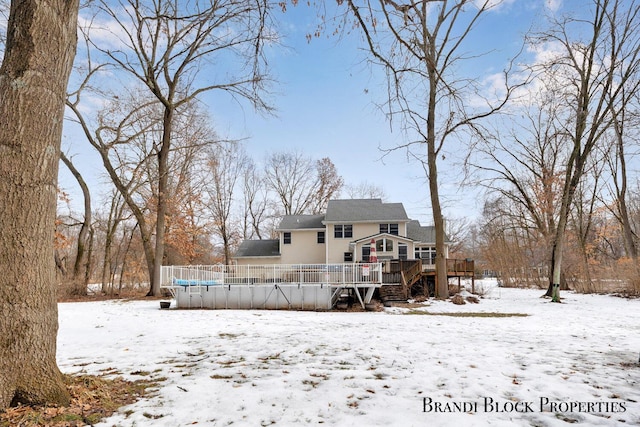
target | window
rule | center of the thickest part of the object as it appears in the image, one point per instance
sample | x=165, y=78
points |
x=348, y=257
x=402, y=251
x=389, y=228
x=384, y=245
x=343, y=231
x=366, y=253
x=286, y=237
x=320, y=237
x=427, y=254
x=348, y=231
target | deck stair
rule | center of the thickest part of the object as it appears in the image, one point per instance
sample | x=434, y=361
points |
x=411, y=274
x=392, y=292
x=399, y=279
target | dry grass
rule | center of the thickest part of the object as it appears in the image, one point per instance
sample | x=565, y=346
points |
x=465, y=314
x=92, y=399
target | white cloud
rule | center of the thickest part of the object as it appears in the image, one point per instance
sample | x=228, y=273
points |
x=107, y=34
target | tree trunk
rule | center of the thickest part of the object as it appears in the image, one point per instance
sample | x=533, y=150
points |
x=442, y=282
x=442, y=285
x=163, y=188
x=573, y=174
x=80, y=267
x=41, y=40
x=623, y=211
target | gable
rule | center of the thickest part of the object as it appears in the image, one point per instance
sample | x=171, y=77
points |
x=381, y=235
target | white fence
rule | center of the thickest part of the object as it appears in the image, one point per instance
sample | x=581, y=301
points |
x=210, y=275
x=304, y=286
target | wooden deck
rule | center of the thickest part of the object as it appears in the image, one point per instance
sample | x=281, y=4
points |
x=400, y=276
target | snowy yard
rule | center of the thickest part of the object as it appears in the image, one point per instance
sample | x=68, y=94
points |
x=562, y=363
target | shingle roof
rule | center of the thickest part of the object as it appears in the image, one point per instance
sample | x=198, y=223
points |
x=255, y=248
x=298, y=222
x=362, y=210
x=422, y=233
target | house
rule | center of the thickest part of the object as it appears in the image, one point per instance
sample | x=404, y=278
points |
x=345, y=234
x=317, y=260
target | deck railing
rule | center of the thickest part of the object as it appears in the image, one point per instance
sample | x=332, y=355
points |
x=277, y=273
x=460, y=266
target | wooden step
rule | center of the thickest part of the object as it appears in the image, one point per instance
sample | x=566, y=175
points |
x=392, y=293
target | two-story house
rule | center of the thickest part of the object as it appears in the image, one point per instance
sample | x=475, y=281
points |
x=344, y=234
x=318, y=259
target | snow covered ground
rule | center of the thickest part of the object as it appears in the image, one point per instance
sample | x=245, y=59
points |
x=562, y=363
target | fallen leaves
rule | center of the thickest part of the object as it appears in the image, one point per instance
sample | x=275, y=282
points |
x=92, y=399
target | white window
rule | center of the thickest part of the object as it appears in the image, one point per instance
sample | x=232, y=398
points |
x=427, y=254
x=384, y=245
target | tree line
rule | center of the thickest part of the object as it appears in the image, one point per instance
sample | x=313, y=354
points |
x=218, y=196
x=561, y=175
x=530, y=144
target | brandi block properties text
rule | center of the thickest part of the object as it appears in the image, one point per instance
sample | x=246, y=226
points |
x=542, y=404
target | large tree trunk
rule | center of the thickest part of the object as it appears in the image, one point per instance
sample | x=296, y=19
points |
x=163, y=189
x=41, y=40
x=442, y=282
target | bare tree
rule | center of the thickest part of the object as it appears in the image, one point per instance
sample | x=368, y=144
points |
x=255, y=203
x=301, y=185
x=420, y=44
x=329, y=185
x=226, y=165
x=626, y=122
x=581, y=222
x=109, y=226
x=164, y=44
x=82, y=262
x=364, y=190
x=125, y=137
x=591, y=73
x=40, y=47
x=525, y=170
x=118, y=132
x=511, y=245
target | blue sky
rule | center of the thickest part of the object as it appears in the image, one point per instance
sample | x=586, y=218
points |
x=327, y=108
x=325, y=102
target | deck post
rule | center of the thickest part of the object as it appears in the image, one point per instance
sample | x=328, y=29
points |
x=369, y=295
x=357, y=291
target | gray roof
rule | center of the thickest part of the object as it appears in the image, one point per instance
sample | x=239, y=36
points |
x=298, y=222
x=362, y=210
x=421, y=233
x=258, y=248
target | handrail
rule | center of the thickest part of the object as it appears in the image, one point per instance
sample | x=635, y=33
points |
x=361, y=273
x=460, y=265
